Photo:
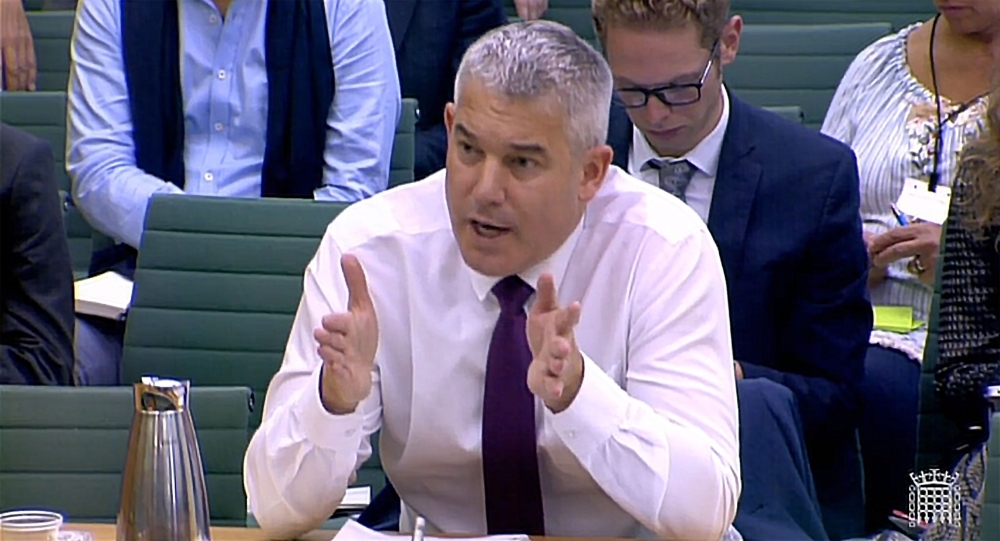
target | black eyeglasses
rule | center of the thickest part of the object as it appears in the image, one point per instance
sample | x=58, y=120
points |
x=673, y=95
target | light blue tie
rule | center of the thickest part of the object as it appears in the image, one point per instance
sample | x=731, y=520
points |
x=674, y=176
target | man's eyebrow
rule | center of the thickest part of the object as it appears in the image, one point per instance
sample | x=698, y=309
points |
x=464, y=132
x=684, y=78
x=528, y=148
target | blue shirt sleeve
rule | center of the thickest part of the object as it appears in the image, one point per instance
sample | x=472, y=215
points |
x=366, y=103
x=108, y=187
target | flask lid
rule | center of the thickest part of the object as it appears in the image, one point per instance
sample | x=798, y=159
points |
x=155, y=394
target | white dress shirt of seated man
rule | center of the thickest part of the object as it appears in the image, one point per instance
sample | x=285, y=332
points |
x=600, y=403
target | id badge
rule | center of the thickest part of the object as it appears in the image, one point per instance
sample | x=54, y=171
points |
x=921, y=203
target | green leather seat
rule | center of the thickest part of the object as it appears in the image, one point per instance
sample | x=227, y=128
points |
x=52, y=32
x=801, y=65
x=791, y=112
x=43, y=114
x=937, y=436
x=991, y=508
x=217, y=285
x=898, y=13
x=404, y=145
x=572, y=13
x=64, y=448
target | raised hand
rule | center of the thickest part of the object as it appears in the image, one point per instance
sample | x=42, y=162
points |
x=347, y=343
x=556, y=370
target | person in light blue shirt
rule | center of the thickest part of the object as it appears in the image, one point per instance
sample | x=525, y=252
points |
x=238, y=111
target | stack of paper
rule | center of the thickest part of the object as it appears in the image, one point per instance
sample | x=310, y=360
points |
x=106, y=295
x=897, y=319
x=352, y=531
x=357, y=498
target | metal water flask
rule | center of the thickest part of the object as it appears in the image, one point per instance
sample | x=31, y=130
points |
x=163, y=486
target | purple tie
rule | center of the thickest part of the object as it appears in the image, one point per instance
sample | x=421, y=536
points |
x=510, y=452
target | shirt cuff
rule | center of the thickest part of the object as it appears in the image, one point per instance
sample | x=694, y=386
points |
x=324, y=429
x=597, y=412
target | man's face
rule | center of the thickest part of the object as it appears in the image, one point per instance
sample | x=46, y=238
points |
x=658, y=59
x=515, y=187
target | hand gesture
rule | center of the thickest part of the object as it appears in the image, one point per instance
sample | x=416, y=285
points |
x=529, y=10
x=920, y=241
x=556, y=370
x=347, y=344
x=17, y=48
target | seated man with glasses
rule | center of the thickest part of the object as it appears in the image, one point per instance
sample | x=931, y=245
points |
x=781, y=202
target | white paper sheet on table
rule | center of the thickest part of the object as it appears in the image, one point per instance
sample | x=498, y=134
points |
x=352, y=531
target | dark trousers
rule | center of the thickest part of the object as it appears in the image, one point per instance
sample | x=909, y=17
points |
x=888, y=430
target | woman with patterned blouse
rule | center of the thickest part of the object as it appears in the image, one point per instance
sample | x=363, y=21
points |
x=887, y=109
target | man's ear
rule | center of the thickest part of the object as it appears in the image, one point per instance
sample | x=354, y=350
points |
x=729, y=40
x=596, y=162
x=449, y=117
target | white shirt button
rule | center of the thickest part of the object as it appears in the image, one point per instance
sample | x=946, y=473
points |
x=219, y=126
x=222, y=74
x=571, y=434
x=209, y=177
x=213, y=19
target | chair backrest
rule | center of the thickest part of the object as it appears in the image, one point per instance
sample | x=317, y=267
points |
x=572, y=13
x=404, y=145
x=64, y=448
x=791, y=112
x=898, y=13
x=52, y=32
x=43, y=114
x=990, y=525
x=780, y=65
x=937, y=436
x=217, y=284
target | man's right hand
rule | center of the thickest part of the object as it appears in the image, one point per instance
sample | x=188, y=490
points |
x=347, y=344
x=876, y=275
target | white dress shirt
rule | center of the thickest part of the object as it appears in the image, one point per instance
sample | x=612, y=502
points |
x=649, y=447
x=704, y=157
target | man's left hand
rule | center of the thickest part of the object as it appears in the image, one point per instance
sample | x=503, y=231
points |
x=17, y=48
x=556, y=371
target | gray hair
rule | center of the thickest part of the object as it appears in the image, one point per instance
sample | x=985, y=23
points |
x=538, y=59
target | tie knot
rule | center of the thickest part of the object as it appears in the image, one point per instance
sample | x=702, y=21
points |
x=512, y=292
x=674, y=177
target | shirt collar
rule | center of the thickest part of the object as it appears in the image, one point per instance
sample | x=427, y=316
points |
x=555, y=264
x=704, y=156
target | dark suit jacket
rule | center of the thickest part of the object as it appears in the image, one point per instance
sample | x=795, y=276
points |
x=785, y=217
x=430, y=37
x=36, y=276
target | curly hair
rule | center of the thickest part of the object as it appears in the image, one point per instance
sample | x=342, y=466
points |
x=979, y=170
x=710, y=16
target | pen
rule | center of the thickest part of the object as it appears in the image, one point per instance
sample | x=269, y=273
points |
x=418, y=529
x=899, y=216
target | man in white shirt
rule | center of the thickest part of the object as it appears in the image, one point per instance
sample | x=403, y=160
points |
x=541, y=339
x=782, y=204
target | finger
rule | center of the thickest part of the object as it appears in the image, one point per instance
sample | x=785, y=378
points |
x=567, y=319
x=358, y=298
x=336, y=341
x=558, y=353
x=546, y=299
x=892, y=236
x=26, y=61
x=896, y=252
x=555, y=387
x=338, y=323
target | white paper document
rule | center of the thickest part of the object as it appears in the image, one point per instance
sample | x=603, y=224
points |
x=352, y=531
x=356, y=498
x=106, y=295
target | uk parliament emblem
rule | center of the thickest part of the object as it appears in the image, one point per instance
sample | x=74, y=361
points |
x=934, y=498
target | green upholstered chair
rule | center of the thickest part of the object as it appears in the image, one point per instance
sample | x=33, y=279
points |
x=802, y=65
x=43, y=114
x=217, y=284
x=572, y=13
x=898, y=13
x=991, y=508
x=34, y=5
x=404, y=144
x=64, y=448
x=791, y=112
x=937, y=436
x=52, y=32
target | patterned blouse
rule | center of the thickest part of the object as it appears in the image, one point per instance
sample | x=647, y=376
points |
x=890, y=121
x=969, y=320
